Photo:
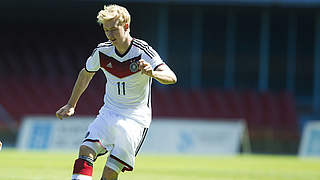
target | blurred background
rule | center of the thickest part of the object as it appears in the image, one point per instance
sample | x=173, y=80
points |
x=257, y=60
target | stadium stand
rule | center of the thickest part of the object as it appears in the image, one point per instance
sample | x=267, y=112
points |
x=36, y=78
x=25, y=95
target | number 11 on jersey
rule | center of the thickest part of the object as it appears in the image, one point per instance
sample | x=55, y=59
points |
x=123, y=84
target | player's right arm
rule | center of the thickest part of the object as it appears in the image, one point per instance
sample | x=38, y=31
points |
x=80, y=86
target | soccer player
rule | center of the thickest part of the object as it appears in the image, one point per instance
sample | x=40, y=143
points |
x=129, y=65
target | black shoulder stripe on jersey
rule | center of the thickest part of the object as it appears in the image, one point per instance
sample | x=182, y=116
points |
x=108, y=43
x=148, y=53
x=105, y=44
x=144, y=50
x=101, y=45
x=146, y=46
x=141, y=42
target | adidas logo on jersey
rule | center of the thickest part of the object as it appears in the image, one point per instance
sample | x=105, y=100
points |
x=109, y=65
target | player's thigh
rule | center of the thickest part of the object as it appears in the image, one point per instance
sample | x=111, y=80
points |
x=92, y=149
x=87, y=151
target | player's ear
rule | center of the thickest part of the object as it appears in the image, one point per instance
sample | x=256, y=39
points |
x=126, y=26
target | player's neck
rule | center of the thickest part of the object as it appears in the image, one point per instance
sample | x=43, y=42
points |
x=123, y=47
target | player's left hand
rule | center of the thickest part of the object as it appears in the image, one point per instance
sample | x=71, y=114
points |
x=145, y=68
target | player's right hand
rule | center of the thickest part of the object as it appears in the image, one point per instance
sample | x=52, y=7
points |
x=66, y=111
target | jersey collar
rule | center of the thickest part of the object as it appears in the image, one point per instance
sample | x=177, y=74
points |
x=125, y=53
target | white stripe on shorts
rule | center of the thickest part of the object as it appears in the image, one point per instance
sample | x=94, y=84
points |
x=142, y=140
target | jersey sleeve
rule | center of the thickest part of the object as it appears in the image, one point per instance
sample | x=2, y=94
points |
x=93, y=62
x=152, y=57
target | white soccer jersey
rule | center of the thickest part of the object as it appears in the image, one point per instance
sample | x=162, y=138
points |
x=128, y=92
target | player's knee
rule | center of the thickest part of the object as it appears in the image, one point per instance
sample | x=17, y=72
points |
x=87, y=151
x=109, y=174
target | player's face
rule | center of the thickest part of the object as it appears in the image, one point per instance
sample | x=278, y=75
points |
x=114, y=32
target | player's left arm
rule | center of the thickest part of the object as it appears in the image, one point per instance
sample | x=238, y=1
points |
x=161, y=73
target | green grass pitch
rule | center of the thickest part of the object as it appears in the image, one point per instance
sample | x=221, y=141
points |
x=16, y=165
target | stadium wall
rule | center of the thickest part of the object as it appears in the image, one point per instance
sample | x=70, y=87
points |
x=165, y=136
x=310, y=140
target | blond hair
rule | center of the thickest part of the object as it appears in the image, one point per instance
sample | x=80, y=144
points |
x=114, y=11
